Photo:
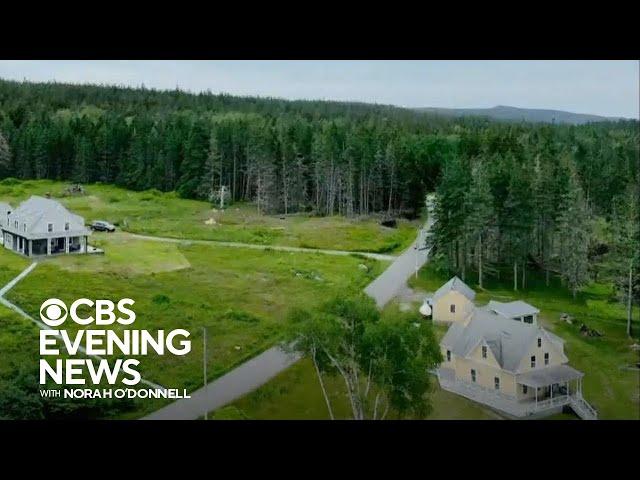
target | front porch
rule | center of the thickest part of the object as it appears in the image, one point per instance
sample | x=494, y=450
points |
x=546, y=400
x=38, y=247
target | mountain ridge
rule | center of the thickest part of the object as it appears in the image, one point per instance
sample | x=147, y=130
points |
x=516, y=114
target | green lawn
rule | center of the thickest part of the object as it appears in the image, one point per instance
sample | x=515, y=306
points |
x=10, y=265
x=18, y=342
x=240, y=295
x=164, y=214
x=607, y=385
x=295, y=395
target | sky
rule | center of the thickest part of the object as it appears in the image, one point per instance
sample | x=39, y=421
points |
x=609, y=88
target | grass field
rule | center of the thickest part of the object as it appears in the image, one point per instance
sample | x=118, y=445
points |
x=10, y=265
x=164, y=214
x=295, y=395
x=241, y=296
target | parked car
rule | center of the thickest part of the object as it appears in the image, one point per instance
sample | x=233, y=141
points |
x=101, y=226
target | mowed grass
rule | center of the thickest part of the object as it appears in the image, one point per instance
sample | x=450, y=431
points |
x=11, y=265
x=164, y=214
x=19, y=344
x=295, y=394
x=240, y=295
x=612, y=388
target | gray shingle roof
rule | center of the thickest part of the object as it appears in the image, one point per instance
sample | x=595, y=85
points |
x=549, y=376
x=38, y=212
x=457, y=285
x=514, y=309
x=509, y=340
x=4, y=208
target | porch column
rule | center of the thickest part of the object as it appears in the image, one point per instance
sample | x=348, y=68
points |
x=66, y=244
x=536, y=397
x=551, y=392
x=30, y=248
x=48, y=246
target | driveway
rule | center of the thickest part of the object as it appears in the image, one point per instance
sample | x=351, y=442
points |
x=238, y=382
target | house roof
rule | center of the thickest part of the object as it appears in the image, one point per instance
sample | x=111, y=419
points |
x=514, y=309
x=549, y=376
x=509, y=340
x=5, y=207
x=457, y=285
x=37, y=212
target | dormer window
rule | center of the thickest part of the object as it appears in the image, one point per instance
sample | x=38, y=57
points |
x=24, y=227
x=66, y=226
x=484, y=351
x=49, y=227
x=452, y=308
x=15, y=224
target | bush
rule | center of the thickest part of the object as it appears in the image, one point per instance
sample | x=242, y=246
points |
x=161, y=299
x=10, y=181
x=240, y=316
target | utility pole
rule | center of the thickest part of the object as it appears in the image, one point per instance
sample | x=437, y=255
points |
x=629, y=299
x=204, y=363
x=223, y=190
x=418, y=248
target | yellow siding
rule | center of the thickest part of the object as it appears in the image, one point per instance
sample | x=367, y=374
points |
x=556, y=355
x=485, y=374
x=442, y=308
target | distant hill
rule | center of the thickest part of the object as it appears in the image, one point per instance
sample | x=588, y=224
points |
x=514, y=114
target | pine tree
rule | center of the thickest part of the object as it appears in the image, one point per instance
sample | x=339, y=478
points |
x=574, y=231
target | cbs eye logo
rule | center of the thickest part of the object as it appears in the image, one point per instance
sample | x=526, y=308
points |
x=53, y=312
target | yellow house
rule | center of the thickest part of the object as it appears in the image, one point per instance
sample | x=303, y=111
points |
x=510, y=364
x=452, y=302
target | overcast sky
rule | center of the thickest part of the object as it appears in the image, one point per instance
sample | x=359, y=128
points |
x=598, y=87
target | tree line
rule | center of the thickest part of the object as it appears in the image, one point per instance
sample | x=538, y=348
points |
x=560, y=198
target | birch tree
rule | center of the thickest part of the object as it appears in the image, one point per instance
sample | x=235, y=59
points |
x=383, y=363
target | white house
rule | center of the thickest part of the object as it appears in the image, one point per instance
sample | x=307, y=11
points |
x=41, y=226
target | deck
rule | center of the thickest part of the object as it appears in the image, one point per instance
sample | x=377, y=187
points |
x=512, y=406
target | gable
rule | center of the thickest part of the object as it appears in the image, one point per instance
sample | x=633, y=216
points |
x=476, y=354
x=555, y=351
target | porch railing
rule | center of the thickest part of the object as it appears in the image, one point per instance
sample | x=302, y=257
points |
x=509, y=404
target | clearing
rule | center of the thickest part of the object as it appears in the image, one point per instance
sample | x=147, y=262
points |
x=166, y=215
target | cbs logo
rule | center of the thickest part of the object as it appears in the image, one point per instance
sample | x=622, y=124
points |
x=54, y=312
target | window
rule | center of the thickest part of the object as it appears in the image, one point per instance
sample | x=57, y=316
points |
x=16, y=224
x=546, y=359
x=496, y=383
x=484, y=351
x=524, y=389
x=539, y=342
x=528, y=319
x=452, y=308
x=448, y=355
x=49, y=227
x=24, y=227
x=533, y=361
x=66, y=226
x=473, y=375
